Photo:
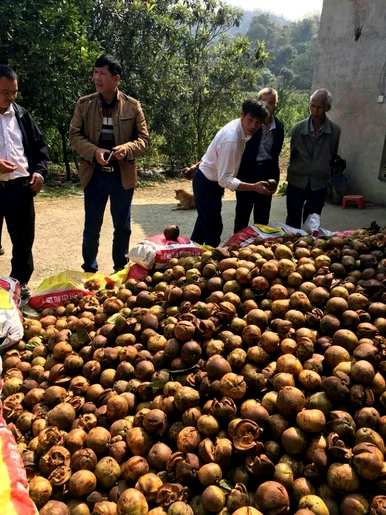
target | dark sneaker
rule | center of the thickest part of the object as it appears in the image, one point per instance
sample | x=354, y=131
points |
x=1, y=251
x=89, y=269
x=25, y=293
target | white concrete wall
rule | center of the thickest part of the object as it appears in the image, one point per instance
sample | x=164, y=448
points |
x=351, y=70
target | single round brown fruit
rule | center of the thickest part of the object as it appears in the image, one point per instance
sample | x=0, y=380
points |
x=132, y=502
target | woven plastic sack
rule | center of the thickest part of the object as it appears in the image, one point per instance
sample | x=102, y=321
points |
x=56, y=289
x=249, y=234
x=157, y=251
x=14, y=498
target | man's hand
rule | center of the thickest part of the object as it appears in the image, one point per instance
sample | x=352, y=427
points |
x=189, y=171
x=262, y=188
x=272, y=185
x=6, y=166
x=36, y=182
x=100, y=154
x=119, y=152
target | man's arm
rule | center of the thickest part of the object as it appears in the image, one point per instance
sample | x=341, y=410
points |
x=277, y=148
x=40, y=153
x=78, y=141
x=293, y=144
x=337, y=140
x=34, y=146
x=189, y=171
x=228, y=164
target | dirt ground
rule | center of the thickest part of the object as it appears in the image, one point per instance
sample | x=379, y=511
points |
x=59, y=225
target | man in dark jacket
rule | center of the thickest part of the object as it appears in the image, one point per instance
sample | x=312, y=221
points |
x=1, y=231
x=260, y=162
x=314, y=145
x=23, y=167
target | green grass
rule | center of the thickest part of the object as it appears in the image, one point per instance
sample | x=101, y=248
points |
x=64, y=190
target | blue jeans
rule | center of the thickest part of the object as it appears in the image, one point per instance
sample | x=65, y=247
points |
x=102, y=186
x=208, y=195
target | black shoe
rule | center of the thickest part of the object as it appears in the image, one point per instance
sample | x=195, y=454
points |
x=89, y=269
x=2, y=252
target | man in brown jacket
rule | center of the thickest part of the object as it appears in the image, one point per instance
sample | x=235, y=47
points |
x=108, y=131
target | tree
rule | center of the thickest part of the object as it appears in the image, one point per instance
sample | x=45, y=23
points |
x=283, y=58
x=303, y=30
x=263, y=28
x=291, y=48
x=292, y=107
x=180, y=64
x=52, y=69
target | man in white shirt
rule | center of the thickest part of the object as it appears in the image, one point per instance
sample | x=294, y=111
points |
x=218, y=170
x=23, y=166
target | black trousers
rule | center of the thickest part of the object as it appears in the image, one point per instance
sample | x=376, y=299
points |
x=246, y=201
x=1, y=226
x=17, y=208
x=301, y=203
x=208, y=195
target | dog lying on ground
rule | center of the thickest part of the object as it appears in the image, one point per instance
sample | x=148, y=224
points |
x=185, y=199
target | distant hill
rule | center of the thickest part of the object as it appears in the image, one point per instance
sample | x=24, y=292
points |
x=247, y=18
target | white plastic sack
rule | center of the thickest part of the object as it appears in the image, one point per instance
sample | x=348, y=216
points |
x=143, y=254
x=11, y=326
x=312, y=226
x=157, y=250
x=312, y=223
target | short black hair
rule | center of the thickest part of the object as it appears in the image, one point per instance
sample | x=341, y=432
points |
x=255, y=108
x=112, y=64
x=7, y=72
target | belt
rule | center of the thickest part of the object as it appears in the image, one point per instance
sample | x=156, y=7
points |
x=107, y=169
x=15, y=182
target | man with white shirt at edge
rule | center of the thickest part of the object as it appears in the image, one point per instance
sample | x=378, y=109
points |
x=218, y=170
x=23, y=166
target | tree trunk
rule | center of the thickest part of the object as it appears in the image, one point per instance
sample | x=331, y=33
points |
x=63, y=135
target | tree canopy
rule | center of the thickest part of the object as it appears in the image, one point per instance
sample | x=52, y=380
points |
x=291, y=47
x=181, y=59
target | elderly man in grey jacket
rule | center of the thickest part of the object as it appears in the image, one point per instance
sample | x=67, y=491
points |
x=314, y=145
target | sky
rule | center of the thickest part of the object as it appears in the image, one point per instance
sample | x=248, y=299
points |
x=290, y=9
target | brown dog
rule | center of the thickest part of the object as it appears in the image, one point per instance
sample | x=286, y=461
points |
x=185, y=199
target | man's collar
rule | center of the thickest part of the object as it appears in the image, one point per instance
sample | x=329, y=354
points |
x=272, y=125
x=109, y=104
x=9, y=112
x=244, y=136
x=308, y=127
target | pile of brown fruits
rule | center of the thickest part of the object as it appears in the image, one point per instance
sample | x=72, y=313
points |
x=245, y=381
